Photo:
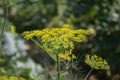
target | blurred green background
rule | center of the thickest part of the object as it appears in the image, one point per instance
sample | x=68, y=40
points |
x=101, y=17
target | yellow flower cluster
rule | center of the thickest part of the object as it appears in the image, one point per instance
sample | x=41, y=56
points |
x=57, y=40
x=10, y=78
x=67, y=56
x=96, y=62
x=13, y=29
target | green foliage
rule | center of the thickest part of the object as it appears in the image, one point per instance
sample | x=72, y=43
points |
x=7, y=25
x=26, y=74
x=2, y=60
x=7, y=72
x=10, y=78
x=2, y=71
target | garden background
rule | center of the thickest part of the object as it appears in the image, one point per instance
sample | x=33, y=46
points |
x=101, y=17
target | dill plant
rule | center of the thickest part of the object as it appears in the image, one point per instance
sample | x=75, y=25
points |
x=95, y=62
x=59, y=44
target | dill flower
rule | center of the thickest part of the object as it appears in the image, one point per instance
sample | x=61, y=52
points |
x=57, y=40
x=96, y=62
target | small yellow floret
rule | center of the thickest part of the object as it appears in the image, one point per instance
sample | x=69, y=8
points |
x=66, y=56
x=13, y=29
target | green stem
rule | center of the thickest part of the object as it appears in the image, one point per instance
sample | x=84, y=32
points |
x=37, y=43
x=4, y=23
x=88, y=73
x=58, y=67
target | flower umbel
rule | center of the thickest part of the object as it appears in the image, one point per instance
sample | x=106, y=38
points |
x=96, y=62
x=59, y=41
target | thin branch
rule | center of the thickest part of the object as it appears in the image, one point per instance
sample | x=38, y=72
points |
x=4, y=22
x=88, y=73
x=5, y=19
